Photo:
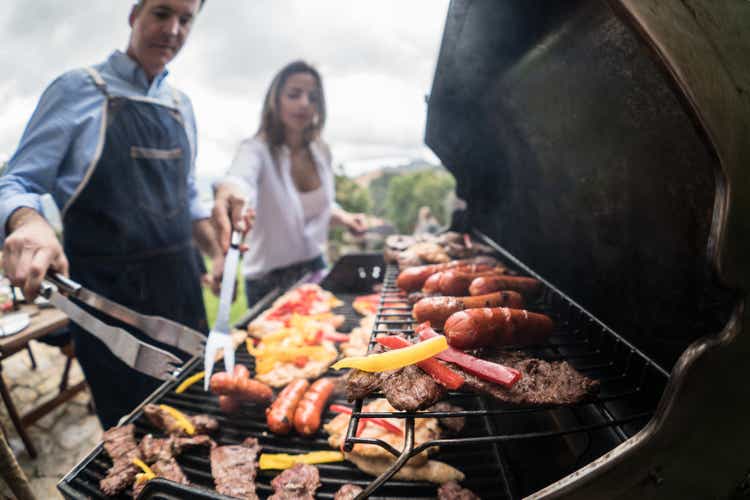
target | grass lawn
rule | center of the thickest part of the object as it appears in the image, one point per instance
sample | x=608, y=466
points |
x=239, y=307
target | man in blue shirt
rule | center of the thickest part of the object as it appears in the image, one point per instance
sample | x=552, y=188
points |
x=115, y=145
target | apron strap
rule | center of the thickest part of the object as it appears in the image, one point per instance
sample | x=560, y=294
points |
x=98, y=80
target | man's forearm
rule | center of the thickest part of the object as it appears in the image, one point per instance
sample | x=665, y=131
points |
x=205, y=237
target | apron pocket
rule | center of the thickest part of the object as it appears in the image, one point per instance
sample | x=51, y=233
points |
x=161, y=180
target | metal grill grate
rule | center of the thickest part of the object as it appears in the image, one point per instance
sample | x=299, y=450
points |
x=571, y=435
x=352, y=276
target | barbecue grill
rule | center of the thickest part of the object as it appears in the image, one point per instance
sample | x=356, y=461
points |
x=598, y=146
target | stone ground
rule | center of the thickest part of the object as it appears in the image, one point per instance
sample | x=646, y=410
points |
x=63, y=436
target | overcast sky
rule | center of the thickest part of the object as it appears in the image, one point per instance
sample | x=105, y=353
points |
x=377, y=60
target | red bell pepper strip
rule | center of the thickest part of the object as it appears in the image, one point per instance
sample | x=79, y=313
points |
x=487, y=370
x=437, y=370
x=377, y=421
x=335, y=337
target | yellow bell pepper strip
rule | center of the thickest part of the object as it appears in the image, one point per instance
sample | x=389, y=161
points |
x=147, y=474
x=182, y=420
x=285, y=461
x=192, y=379
x=395, y=359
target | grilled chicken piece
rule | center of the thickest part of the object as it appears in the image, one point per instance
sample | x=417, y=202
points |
x=432, y=471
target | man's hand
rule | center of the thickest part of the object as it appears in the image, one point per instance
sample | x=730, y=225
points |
x=356, y=223
x=30, y=249
x=229, y=212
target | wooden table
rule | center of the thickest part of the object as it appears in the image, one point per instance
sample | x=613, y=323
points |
x=42, y=322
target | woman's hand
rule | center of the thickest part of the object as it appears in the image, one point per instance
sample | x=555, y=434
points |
x=356, y=223
x=229, y=212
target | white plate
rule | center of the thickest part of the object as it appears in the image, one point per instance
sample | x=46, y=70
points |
x=13, y=323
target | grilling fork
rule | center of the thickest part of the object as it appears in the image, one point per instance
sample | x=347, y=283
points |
x=219, y=337
x=138, y=355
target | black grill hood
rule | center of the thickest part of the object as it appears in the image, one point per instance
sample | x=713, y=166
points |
x=577, y=150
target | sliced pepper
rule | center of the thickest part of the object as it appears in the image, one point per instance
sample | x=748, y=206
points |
x=398, y=358
x=437, y=370
x=147, y=474
x=365, y=420
x=285, y=461
x=192, y=379
x=182, y=420
x=487, y=370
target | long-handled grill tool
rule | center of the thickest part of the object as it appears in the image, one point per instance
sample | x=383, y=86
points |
x=219, y=337
x=138, y=355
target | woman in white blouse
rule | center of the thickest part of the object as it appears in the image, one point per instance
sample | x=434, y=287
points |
x=284, y=175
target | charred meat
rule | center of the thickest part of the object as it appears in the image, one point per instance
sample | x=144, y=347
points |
x=347, y=492
x=160, y=418
x=453, y=491
x=160, y=449
x=120, y=444
x=410, y=389
x=297, y=483
x=168, y=469
x=233, y=468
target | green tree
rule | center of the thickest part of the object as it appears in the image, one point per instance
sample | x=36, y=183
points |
x=407, y=193
x=353, y=198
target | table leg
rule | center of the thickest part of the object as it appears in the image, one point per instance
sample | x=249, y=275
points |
x=14, y=416
x=12, y=472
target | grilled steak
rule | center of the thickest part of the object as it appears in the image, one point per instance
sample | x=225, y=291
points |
x=159, y=449
x=203, y=424
x=359, y=384
x=168, y=469
x=233, y=468
x=410, y=389
x=297, y=483
x=453, y=491
x=347, y=492
x=120, y=444
x=541, y=383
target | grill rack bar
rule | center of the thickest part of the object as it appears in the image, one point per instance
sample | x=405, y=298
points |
x=578, y=329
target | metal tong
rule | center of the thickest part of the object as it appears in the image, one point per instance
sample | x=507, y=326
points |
x=139, y=355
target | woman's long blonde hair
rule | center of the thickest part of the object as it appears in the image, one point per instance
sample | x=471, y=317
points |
x=271, y=128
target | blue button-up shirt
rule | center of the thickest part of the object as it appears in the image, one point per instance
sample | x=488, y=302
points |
x=61, y=138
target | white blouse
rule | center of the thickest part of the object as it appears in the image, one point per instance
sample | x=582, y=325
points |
x=284, y=232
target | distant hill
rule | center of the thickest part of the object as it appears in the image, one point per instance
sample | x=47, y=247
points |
x=365, y=179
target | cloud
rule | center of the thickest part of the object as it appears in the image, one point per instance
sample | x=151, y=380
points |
x=377, y=60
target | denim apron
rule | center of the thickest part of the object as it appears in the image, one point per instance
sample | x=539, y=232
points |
x=128, y=237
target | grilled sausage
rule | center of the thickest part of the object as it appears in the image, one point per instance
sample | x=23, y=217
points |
x=280, y=415
x=496, y=326
x=228, y=404
x=528, y=287
x=310, y=409
x=412, y=279
x=437, y=309
x=239, y=386
x=455, y=282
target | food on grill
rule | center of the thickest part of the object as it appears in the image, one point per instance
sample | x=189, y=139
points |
x=541, y=383
x=234, y=467
x=359, y=338
x=310, y=408
x=192, y=379
x=155, y=449
x=167, y=469
x=285, y=461
x=422, y=252
x=413, y=278
x=428, y=249
x=172, y=421
x=437, y=309
x=441, y=373
x=228, y=404
x=425, y=429
x=433, y=471
x=407, y=388
x=528, y=287
x=453, y=491
x=414, y=297
x=348, y=492
x=298, y=483
x=306, y=300
x=395, y=359
x=366, y=304
x=454, y=425
x=299, y=350
x=496, y=326
x=120, y=444
x=456, y=281
x=239, y=386
x=280, y=415
x=487, y=370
